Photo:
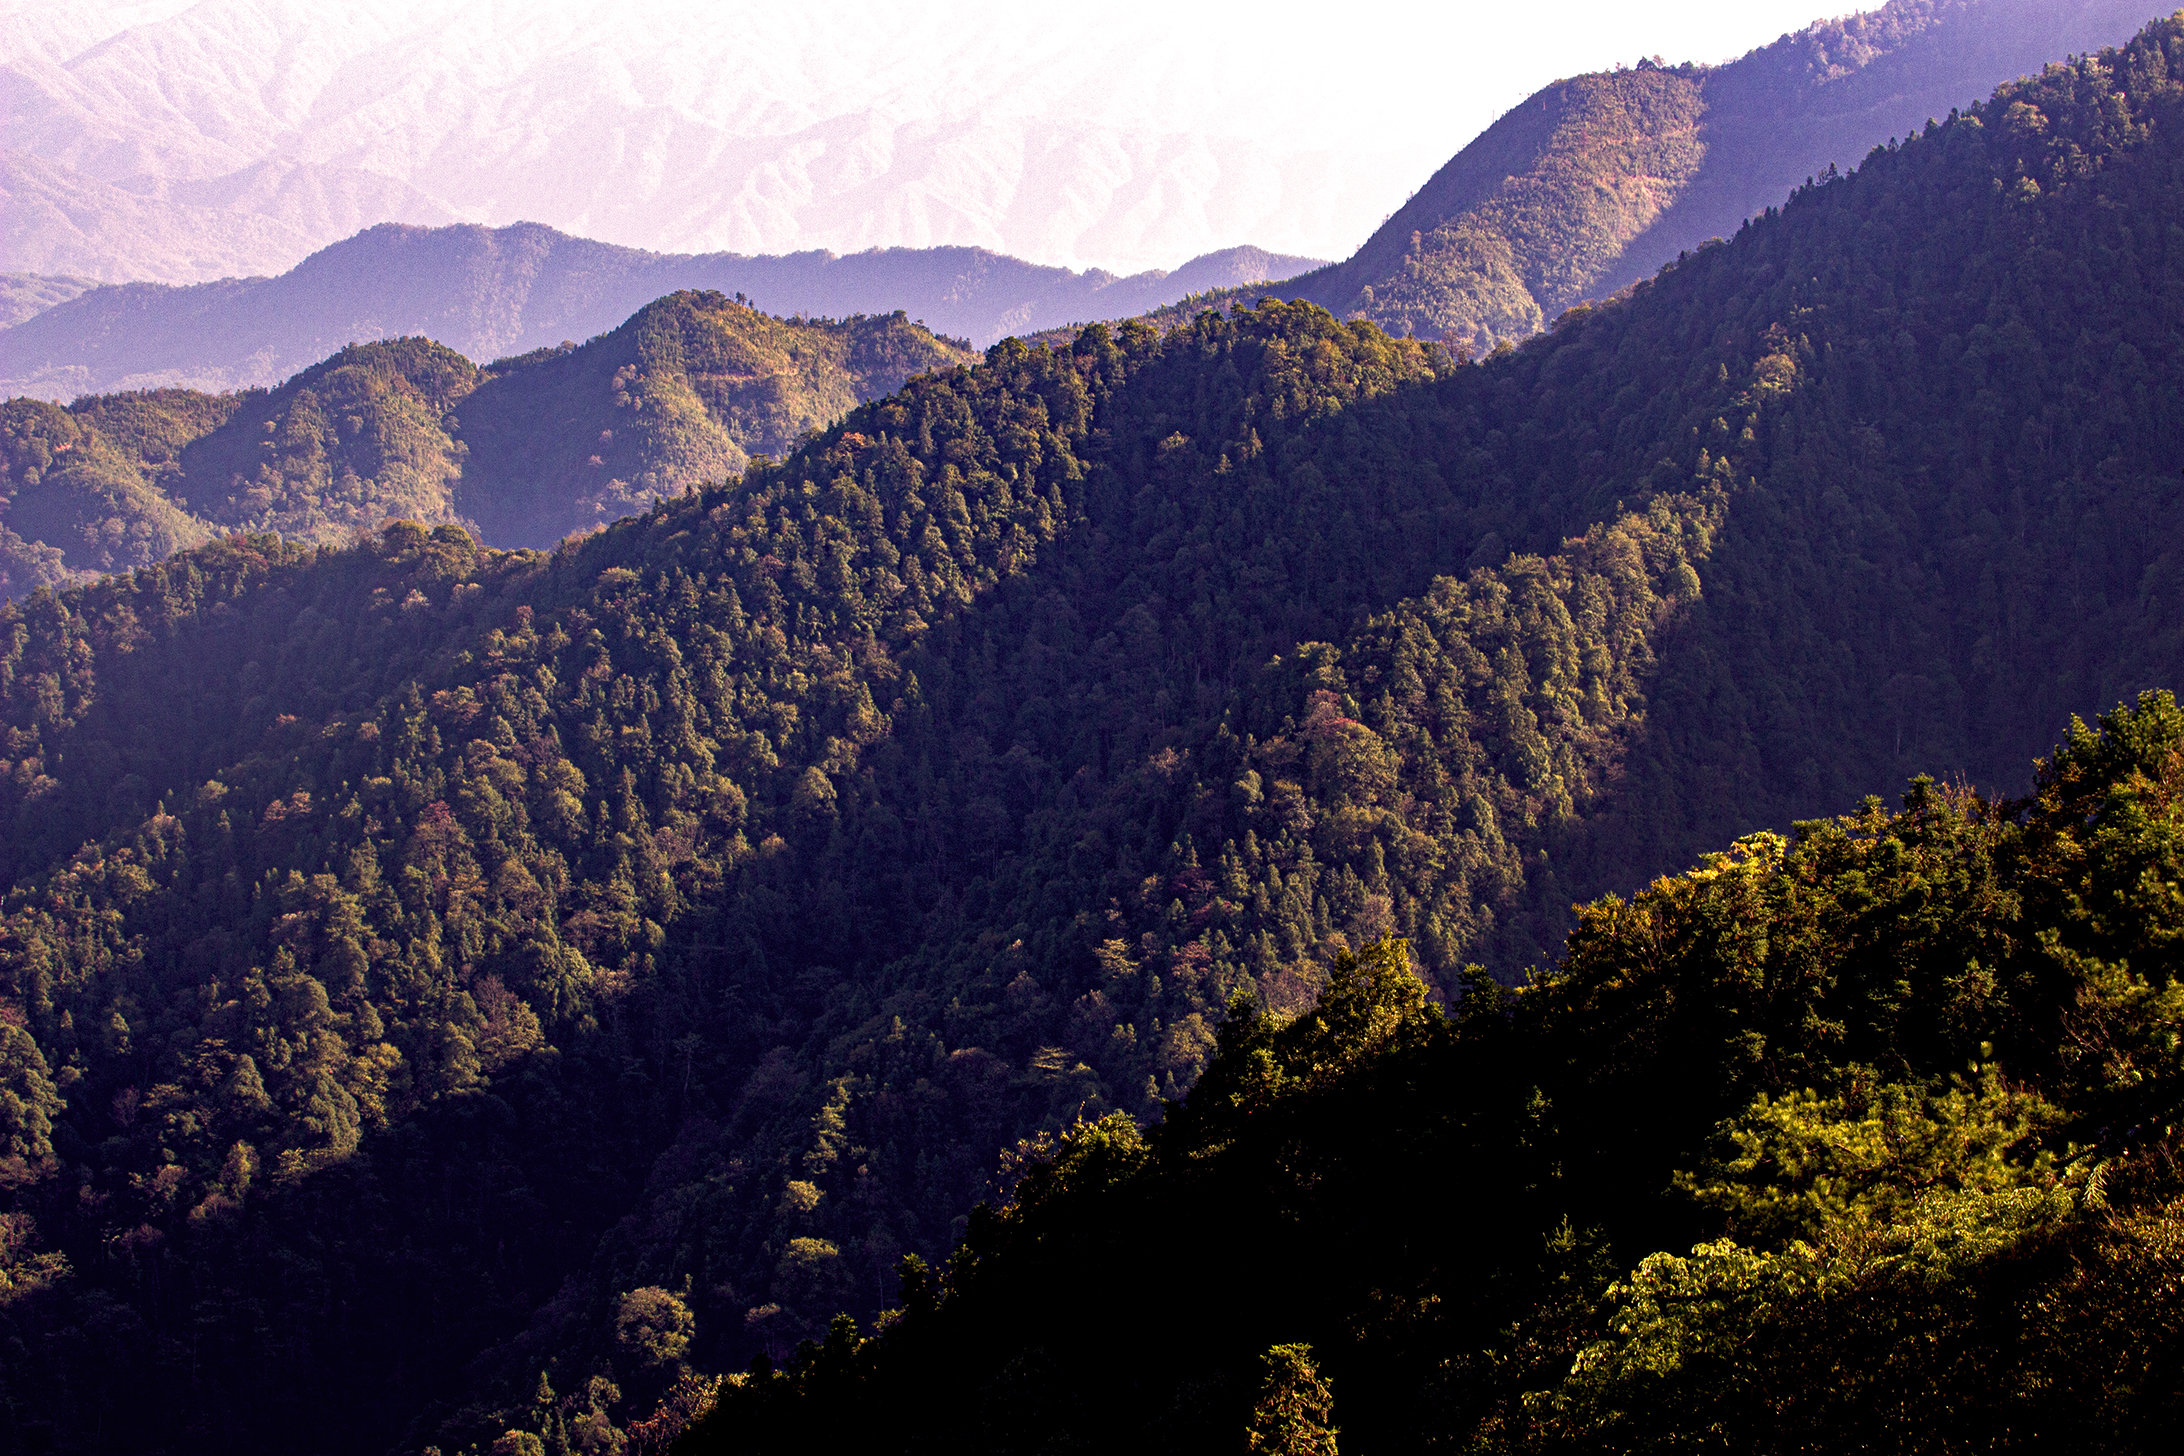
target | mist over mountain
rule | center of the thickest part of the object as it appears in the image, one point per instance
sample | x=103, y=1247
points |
x=1585, y=187
x=182, y=143
x=23, y=295
x=490, y=293
x=523, y=1002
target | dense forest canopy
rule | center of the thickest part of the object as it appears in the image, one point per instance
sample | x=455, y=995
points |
x=1893, y=1102
x=450, y=991
x=523, y=451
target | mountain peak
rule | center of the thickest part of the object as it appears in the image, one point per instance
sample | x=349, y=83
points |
x=1599, y=180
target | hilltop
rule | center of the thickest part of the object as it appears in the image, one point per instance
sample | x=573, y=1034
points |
x=471, y=998
x=489, y=293
x=1600, y=180
x=525, y=450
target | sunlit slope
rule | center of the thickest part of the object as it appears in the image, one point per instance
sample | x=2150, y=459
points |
x=526, y=450
x=608, y=963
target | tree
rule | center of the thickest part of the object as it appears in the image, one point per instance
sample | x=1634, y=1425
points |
x=28, y=1105
x=653, y=1327
x=1296, y=1407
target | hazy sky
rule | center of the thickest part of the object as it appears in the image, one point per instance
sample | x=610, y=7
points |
x=1127, y=134
x=1369, y=70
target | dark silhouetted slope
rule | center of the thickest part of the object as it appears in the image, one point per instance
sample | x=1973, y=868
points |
x=549, y=980
x=1758, y=1146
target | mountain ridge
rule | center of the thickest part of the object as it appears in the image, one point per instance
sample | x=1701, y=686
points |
x=1591, y=184
x=1596, y=182
x=525, y=449
x=558, y=979
x=490, y=293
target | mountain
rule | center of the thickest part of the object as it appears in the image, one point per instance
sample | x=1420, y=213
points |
x=1874, y=1192
x=183, y=144
x=83, y=487
x=1873, y=1186
x=680, y=396
x=1589, y=185
x=25, y=294
x=526, y=450
x=489, y=293
x=54, y=218
x=469, y=999
x=1600, y=180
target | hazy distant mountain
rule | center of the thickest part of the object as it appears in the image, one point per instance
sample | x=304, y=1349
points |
x=527, y=450
x=25, y=294
x=510, y=1002
x=55, y=219
x=182, y=143
x=494, y=292
x=1596, y=181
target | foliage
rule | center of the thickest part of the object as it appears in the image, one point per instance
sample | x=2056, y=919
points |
x=77, y=499
x=527, y=449
x=653, y=1325
x=343, y=446
x=681, y=395
x=1292, y=1413
x=432, y=946
x=1920, y=1259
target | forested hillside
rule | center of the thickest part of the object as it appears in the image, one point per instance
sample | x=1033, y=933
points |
x=1864, y=1139
x=681, y=395
x=1600, y=180
x=449, y=992
x=83, y=488
x=524, y=450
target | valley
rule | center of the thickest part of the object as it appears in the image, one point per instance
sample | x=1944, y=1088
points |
x=1564, y=837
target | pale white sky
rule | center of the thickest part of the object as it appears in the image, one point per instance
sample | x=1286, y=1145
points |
x=1125, y=134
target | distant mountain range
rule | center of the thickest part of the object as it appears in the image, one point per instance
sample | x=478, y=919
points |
x=504, y=1003
x=493, y=292
x=1589, y=185
x=524, y=451
x=183, y=143
x=1597, y=181
x=25, y=295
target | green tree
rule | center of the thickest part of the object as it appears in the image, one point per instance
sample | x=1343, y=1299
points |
x=1295, y=1411
x=652, y=1328
x=29, y=1103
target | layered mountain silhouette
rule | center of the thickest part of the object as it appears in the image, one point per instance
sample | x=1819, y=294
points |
x=182, y=144
x=1587, y=186
x=513, y=1000
x=1599, y=180
x=526, y=450
x=493, y=292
